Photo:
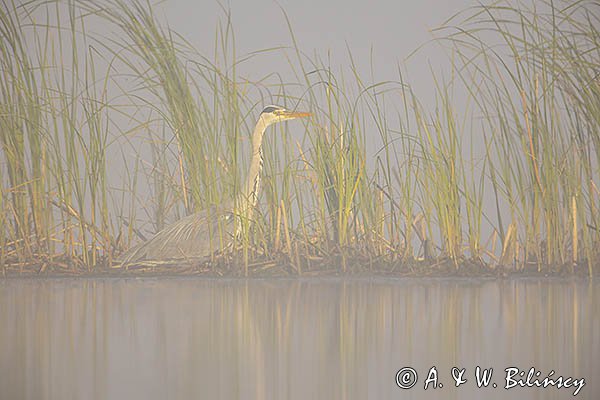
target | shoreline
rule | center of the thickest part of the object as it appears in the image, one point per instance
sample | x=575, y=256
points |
x=434, y=269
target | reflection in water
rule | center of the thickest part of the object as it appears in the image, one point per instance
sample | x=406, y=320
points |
x=280, y=339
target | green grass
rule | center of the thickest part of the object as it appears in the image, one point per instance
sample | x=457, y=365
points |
x=75, y=106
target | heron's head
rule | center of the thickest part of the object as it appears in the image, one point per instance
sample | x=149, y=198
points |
x=273, y=114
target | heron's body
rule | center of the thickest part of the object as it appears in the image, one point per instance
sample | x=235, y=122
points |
x=191, y=238
x=201, y=234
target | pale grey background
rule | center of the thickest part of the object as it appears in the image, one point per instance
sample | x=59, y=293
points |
x=386, y=31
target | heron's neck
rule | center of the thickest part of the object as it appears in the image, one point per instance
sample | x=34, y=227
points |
x=249, y=195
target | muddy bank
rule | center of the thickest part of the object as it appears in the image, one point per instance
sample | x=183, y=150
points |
x=324, y=267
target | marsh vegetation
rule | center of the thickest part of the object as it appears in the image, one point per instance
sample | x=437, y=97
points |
x=106, y=139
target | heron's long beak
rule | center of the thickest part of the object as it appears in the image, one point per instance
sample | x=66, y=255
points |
x=292, y=114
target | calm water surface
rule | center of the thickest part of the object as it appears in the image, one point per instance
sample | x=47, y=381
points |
x=290, y=339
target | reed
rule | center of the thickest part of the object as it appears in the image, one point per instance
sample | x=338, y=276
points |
x=539, y=140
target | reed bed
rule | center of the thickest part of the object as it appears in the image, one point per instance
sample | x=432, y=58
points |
x=107, y=139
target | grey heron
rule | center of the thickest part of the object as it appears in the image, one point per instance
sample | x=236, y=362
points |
x=200, y=234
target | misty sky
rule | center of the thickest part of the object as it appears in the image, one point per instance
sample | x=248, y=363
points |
x=390, y=29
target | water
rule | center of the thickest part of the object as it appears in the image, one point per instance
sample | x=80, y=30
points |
x=290, y=339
